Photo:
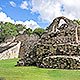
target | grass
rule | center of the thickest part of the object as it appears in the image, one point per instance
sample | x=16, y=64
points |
x=10, y=72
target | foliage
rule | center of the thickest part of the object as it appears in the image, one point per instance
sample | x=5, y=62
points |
x=38, y=31
x=8, y=29
x=20, y=27
x=77, y=21
x=29, y=31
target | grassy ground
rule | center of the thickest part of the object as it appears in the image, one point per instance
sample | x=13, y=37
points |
x=10, y=72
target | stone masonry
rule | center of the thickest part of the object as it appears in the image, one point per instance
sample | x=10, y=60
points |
x=59, y=47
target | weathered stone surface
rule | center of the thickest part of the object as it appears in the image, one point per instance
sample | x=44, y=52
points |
x=10, y=51
x=27, y=43
x=58, y=47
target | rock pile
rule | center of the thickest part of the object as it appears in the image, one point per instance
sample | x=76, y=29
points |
x=58, y=47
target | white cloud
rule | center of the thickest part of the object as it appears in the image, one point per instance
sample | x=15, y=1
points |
x=13, y=4
x=29, y=24
x=19, y=22
x=49, y=9
x=24, y=5
x=5, y=18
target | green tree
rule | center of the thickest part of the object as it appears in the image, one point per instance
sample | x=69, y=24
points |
x=39, y=31
x=7, y=30
x=10, y=29
x=20, y=27
x=77, y=21
x=29, y=31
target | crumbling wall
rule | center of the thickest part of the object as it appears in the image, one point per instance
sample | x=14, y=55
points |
x=58, y=47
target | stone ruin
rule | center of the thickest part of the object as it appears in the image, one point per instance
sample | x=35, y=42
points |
x=27, y=43
x=58, y=47
x=16, y=47
x=9, y=49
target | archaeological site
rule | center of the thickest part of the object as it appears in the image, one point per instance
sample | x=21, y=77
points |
x=58, y=47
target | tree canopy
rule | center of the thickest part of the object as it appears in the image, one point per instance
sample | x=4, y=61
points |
x=77, y=21
x=39, y=31
x=8, y=29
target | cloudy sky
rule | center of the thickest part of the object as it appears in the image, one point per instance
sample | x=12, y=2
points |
x=37, y=13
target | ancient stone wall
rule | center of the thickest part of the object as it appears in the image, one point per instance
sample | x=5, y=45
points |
x=27, y=43
x=58, y=47
x=11, y=52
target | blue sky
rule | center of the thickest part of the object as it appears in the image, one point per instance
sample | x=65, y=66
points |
x=37, y=13
x=16, y=12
